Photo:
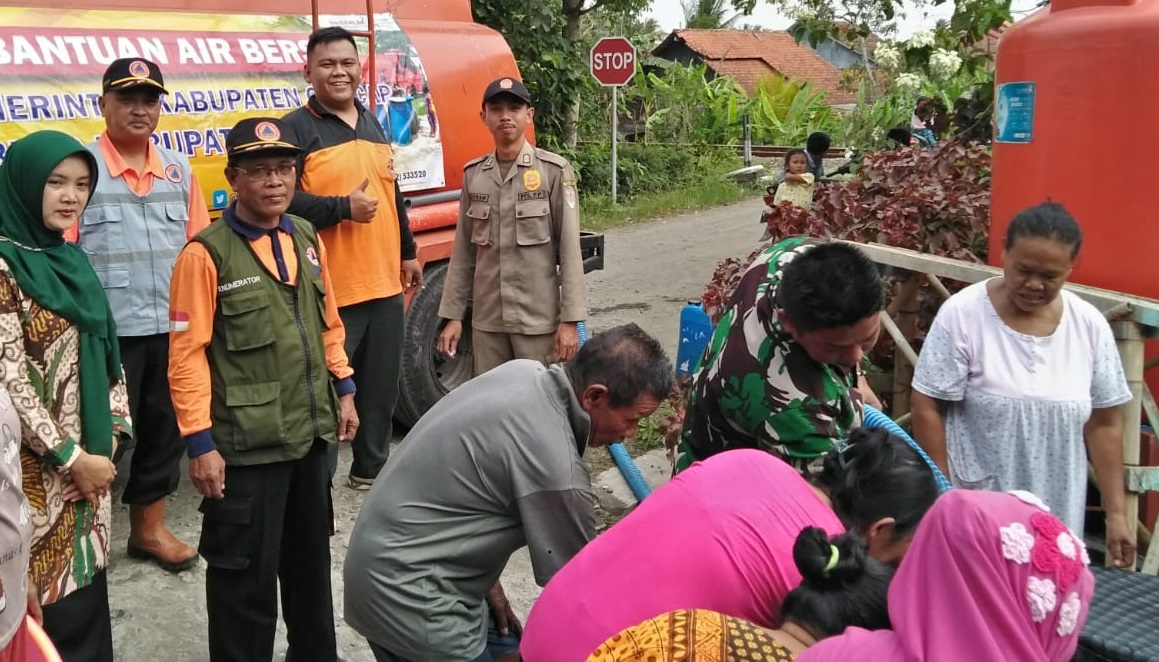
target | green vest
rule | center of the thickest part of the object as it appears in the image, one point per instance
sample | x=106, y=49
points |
x=272, y=391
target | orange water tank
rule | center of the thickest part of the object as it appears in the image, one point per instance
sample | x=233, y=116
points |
x=1077, y=122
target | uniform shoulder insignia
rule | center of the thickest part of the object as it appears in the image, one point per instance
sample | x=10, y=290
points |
x=475, y=161
x=550, y=157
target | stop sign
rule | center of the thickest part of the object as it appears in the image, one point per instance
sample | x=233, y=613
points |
x=613, y=61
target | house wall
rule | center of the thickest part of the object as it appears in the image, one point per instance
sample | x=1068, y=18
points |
x=838, y=54
x=681, y=54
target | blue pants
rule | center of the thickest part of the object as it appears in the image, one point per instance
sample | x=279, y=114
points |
x=497, y=646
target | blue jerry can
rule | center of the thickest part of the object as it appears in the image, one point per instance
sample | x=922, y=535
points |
x=695, y=332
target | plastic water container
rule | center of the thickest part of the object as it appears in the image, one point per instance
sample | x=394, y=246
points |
x=695, y=332
x=401, y=111
x=1075, y=123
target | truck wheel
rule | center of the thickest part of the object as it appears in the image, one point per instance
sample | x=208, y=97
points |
x=426, y=374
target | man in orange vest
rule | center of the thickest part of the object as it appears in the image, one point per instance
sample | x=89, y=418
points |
x=347, y=189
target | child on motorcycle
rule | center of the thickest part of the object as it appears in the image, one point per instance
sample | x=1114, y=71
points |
x=796, y=187
x=799, y=182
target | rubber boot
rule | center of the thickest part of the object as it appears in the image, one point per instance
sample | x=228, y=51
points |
x=149, y=540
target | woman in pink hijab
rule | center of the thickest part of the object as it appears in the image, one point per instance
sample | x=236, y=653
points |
x=991, y=576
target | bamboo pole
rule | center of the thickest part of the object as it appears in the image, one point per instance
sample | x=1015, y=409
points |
x=940, y=288
x=1130, y=343
x=903, y=308
x=899, y=339
x=1119, y=310
x=1151, y=560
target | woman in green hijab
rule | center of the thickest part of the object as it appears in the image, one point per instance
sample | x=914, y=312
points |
x=59, y=362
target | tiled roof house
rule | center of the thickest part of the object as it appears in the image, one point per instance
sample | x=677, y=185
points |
x=842, y=50
x=746, y=55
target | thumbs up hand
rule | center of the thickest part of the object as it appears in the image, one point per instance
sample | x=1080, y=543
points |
x=362, y=206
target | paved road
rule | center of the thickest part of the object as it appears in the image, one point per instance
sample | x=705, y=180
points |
x=652, y=270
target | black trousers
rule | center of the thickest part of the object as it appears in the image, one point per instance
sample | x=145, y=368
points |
x=155, y=466
x=374, y=337
x=272, y=527
x=80, y=625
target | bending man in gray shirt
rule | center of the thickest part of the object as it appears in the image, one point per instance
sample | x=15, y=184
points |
x=494, y=466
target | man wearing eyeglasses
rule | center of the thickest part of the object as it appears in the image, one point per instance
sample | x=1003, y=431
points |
x=262, y=388
x=145, y=206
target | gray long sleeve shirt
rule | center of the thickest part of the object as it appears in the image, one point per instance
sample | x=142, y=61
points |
x=494, y=466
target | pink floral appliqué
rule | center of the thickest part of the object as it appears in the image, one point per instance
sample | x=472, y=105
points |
x=1047, y=556
x=1041, y=596
x=1066, y=545
x=1030, y=498
x=1068, y=615
x=1017, y=543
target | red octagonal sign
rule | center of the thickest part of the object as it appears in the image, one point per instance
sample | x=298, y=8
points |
x=613, y=61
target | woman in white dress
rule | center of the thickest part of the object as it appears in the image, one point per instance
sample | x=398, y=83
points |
x=1018, y=381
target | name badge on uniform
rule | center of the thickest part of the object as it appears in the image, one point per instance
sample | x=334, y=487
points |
x=480, y=197
x=531, y=180
x=531, y=195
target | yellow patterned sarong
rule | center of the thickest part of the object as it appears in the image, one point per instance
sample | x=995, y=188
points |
x=692, y=635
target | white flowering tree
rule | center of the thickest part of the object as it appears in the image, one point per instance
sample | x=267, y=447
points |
x=945, y=62
x=948, y=65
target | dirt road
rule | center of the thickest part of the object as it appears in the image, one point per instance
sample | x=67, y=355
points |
x=652, y=270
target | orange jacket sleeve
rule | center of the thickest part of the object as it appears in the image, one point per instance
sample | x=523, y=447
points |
x=192, y=305
x=334, y=337
x=198, y=211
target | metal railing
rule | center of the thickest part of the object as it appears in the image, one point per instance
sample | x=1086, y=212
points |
x=758, y=151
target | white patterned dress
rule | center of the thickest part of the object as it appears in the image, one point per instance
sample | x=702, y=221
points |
x=1017, y=404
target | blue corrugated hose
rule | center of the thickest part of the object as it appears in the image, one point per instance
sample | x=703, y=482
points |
x=875, y=419
x=620, y=455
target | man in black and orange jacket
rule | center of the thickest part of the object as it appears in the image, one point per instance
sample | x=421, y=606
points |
x=347, y=189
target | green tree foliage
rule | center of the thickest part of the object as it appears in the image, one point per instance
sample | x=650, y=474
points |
x=947, y=62
x=551, y=47
x=785, y=112
x=549, y=64
x=708, y=14
x=687, y=105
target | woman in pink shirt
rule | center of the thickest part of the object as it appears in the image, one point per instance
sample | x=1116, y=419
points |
x=841, y=587
x=720, y=537
x=992, y=576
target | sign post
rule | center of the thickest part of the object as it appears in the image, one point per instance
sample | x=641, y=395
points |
x=613, y=63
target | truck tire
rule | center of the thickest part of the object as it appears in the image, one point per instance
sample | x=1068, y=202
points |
x=426, y=374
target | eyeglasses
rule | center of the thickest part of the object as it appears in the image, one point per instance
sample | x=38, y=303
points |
x=283, y=170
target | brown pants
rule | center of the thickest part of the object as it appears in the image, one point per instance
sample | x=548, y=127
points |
x=494, y=349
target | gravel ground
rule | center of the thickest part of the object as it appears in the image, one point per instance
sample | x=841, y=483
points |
x=653, y=269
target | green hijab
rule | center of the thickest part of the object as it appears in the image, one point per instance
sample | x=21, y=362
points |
x=58, y=276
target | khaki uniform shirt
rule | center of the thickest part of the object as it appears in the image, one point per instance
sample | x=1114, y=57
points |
x=517, y=246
